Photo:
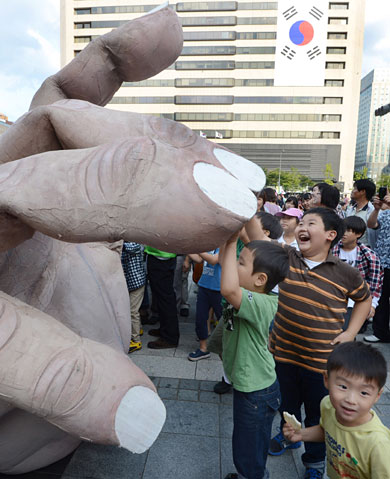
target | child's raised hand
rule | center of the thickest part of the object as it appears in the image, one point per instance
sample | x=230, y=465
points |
x=291, y=434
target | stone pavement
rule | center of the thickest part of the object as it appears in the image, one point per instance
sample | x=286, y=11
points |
x=195, y=442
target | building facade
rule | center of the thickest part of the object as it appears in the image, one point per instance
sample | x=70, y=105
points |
x=222, y=85
x=373, y=135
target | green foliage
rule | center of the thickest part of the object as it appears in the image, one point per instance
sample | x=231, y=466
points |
x=289, y=180
x=329, y=174
x=384, y=180
x=360, y=175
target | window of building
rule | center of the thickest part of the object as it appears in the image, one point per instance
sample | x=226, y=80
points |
x=114, y=9
x=336, y=50
x=334, y=83
x=280, y=99
x=82, y=39
x=205, y=36
x=82, y=25
x=333, y=100
x=212, y=21
x=338, y=6
x=204, y=82
x=335, y=65
x=337, y=21
x=213, y=133
x=204, y=99
x=337, y=35
x=82, y=11
x=255, y=65
x=256, y=20
x=254, y=82
x=209, y=50
x=256, y=35
x=256, y=50
x=205, y=6
x=141, y=99
x=331, y=117
x=258, y=6
x=206, y=65
x=183, y=116
x=150, y=83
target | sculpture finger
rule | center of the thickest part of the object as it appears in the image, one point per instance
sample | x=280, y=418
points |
x=138, y=189
x=137, y=50
x=83, y=387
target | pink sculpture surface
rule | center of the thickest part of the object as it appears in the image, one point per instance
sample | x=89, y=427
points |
x=75, y=180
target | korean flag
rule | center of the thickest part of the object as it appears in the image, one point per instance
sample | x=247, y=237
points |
x=301, y=43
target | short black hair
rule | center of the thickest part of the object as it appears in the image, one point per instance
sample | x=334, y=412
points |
x=270, y=223
x=359, y=359
x=306, y=196
x=269, y=258
x=268, y=194
x=367, y=185
x=331, y=220
x=330, y=195
x=293, y=199
x=356, y=224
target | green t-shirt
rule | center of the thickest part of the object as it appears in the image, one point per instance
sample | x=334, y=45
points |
x=158, y=253
x=247, y=361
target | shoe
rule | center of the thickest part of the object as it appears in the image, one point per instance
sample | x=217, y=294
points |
x=313, y=474
x=184, y=312
x=279, y=445
x=372, y=339
x=154, y=332
x=134, y=346
x=222, y=387
x=152, y=320
x=160, y=343
x=141, y=332
x=198, y=354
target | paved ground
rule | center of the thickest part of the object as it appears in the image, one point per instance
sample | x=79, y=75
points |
x=195, y=442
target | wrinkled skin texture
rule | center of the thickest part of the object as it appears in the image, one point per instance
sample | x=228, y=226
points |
x=76, y=179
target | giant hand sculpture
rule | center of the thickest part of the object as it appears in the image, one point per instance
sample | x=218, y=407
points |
x=75, y=179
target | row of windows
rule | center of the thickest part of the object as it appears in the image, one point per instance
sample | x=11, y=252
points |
x=214, y=116
x=215, y=82
x=227, y=50
x=194, y=7
x=226, y=99
x=312, y=135
x=181, y=7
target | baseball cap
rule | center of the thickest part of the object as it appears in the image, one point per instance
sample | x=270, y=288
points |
x=291, y=212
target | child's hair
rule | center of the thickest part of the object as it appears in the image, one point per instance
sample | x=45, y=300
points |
x=331, y=220
x=270, y=223
x=359, y=359
x=367, y=185
x=330, y=195
x=355, y=224
x=293, y=200
x=306, y=196
x=268, y=194
x=269, y=258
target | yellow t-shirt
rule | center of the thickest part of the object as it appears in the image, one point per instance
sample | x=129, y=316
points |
x=360, y=452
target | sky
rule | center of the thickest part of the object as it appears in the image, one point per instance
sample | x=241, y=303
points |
x=30, y=47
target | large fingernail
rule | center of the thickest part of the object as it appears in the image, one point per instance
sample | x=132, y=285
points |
x=244, y=170
x=156, y=9
x=225, y=190
x=139, y=419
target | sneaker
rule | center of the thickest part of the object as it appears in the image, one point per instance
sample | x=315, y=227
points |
x=141, y=332
x=198, y=354
x=161, y=343
x=279, y=445
x=184, y=312
x=313, y=474
x=155, y=332
x=134, y=346
x=372, y=339
x=222, y=387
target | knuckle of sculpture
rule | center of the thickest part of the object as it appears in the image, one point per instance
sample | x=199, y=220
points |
x=173, y=133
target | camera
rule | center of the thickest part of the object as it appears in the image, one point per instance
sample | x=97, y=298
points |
x=382, y=192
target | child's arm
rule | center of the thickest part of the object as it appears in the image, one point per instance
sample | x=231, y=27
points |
x=200, y=257
x=196, y=258
x=359, y=314
x=308, y=434
x=230, y=286
x=254, y=230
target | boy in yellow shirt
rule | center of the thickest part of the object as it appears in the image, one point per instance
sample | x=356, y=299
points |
x=357, y=443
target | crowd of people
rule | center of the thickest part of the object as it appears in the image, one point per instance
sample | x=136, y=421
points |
x=288, y=294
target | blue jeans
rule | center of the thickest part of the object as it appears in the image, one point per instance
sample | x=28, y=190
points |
x=300, y=386
x=253, y=414
x=206, y=299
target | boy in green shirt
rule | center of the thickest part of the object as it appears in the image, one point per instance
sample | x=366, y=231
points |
x=247, y=362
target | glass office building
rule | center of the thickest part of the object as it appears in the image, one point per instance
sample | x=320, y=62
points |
x=373, y=136
x=223, y=83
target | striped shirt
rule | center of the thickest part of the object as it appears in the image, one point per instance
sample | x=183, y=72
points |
x=310, y=309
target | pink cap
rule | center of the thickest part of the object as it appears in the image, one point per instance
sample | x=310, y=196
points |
x=291, y=212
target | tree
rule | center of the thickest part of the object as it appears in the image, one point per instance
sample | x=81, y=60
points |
x=328, y=174
x=384, y=180
x=360, y=175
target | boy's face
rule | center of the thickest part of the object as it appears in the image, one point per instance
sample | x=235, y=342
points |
x=350, y=238
x=312, y=238
x=246, y=278
x=288, y=223
x=352, y=397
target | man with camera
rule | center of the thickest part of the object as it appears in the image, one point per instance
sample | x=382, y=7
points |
x=362, y=193
x=379, y=220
